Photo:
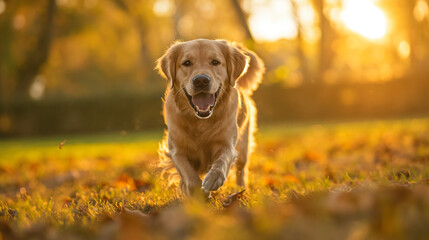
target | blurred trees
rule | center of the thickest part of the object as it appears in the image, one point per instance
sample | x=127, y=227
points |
x=241, y=15
x=38, y=53
x=89, y=63
x=327, y=35
x=140, y=15
x=89, y=47
x=301, y=43
x=22, y=63
x=410, y=20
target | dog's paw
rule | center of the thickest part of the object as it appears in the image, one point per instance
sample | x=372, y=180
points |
x=213, y=180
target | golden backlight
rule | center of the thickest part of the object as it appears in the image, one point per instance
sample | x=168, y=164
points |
x=364, y=18
x=271, y=20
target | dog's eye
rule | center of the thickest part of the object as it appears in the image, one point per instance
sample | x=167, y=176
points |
x=215, y=62
x=187, y=63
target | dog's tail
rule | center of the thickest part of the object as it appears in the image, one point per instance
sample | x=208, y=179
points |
x=249, y=81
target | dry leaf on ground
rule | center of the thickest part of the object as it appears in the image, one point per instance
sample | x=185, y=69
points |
x=233, y=198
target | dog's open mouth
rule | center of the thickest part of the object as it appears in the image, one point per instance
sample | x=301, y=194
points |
x=202, y=103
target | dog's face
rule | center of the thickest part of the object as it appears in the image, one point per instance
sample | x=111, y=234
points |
x=201, y=70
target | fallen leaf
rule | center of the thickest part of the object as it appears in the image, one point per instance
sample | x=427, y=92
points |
x=312, y=156
x=142, y=185
x=62, y=144
x=125, y=181
x=67, y=201
x=6, y=170
x=233, y=198
x=290, y=178
x=271, y=182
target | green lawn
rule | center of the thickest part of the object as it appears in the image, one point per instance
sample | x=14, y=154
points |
x=365, y=180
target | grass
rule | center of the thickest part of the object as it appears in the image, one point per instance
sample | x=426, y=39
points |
x=365, y=180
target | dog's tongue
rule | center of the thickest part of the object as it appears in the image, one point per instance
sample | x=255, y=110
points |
x=203, y=101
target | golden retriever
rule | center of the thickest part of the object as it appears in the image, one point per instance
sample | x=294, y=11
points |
x=209, y=114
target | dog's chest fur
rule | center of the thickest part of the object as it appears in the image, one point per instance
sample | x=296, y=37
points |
x=200, y=139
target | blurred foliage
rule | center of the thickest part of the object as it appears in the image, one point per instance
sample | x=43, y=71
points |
x=77, y=65
x=88, y=47
x=366, y=180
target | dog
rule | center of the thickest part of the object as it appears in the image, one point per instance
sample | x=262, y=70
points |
x=208, y=110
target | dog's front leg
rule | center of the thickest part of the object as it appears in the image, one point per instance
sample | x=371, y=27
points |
x=189, y=179
x=219, y=169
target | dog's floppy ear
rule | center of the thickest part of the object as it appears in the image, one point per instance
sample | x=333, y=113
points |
x=166, y=65
x=236, y=61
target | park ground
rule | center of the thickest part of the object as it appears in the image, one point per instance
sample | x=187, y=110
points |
x=355, y=180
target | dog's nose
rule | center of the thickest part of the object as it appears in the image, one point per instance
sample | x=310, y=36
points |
x=201, y=81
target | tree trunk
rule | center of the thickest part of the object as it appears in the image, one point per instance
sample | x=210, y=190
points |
x=326, y=36
x=38, y=55
x=414, y=29
x=141, y=27
x=144, y=47
x=300, y=50
x=242, y=19
x=176, y=19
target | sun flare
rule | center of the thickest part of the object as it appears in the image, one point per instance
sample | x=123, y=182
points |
x=272, y=20
x=364, y=18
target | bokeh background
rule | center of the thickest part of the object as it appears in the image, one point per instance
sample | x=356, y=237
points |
x=83, y=66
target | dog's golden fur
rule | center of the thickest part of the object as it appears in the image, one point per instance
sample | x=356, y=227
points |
x=194, y=146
